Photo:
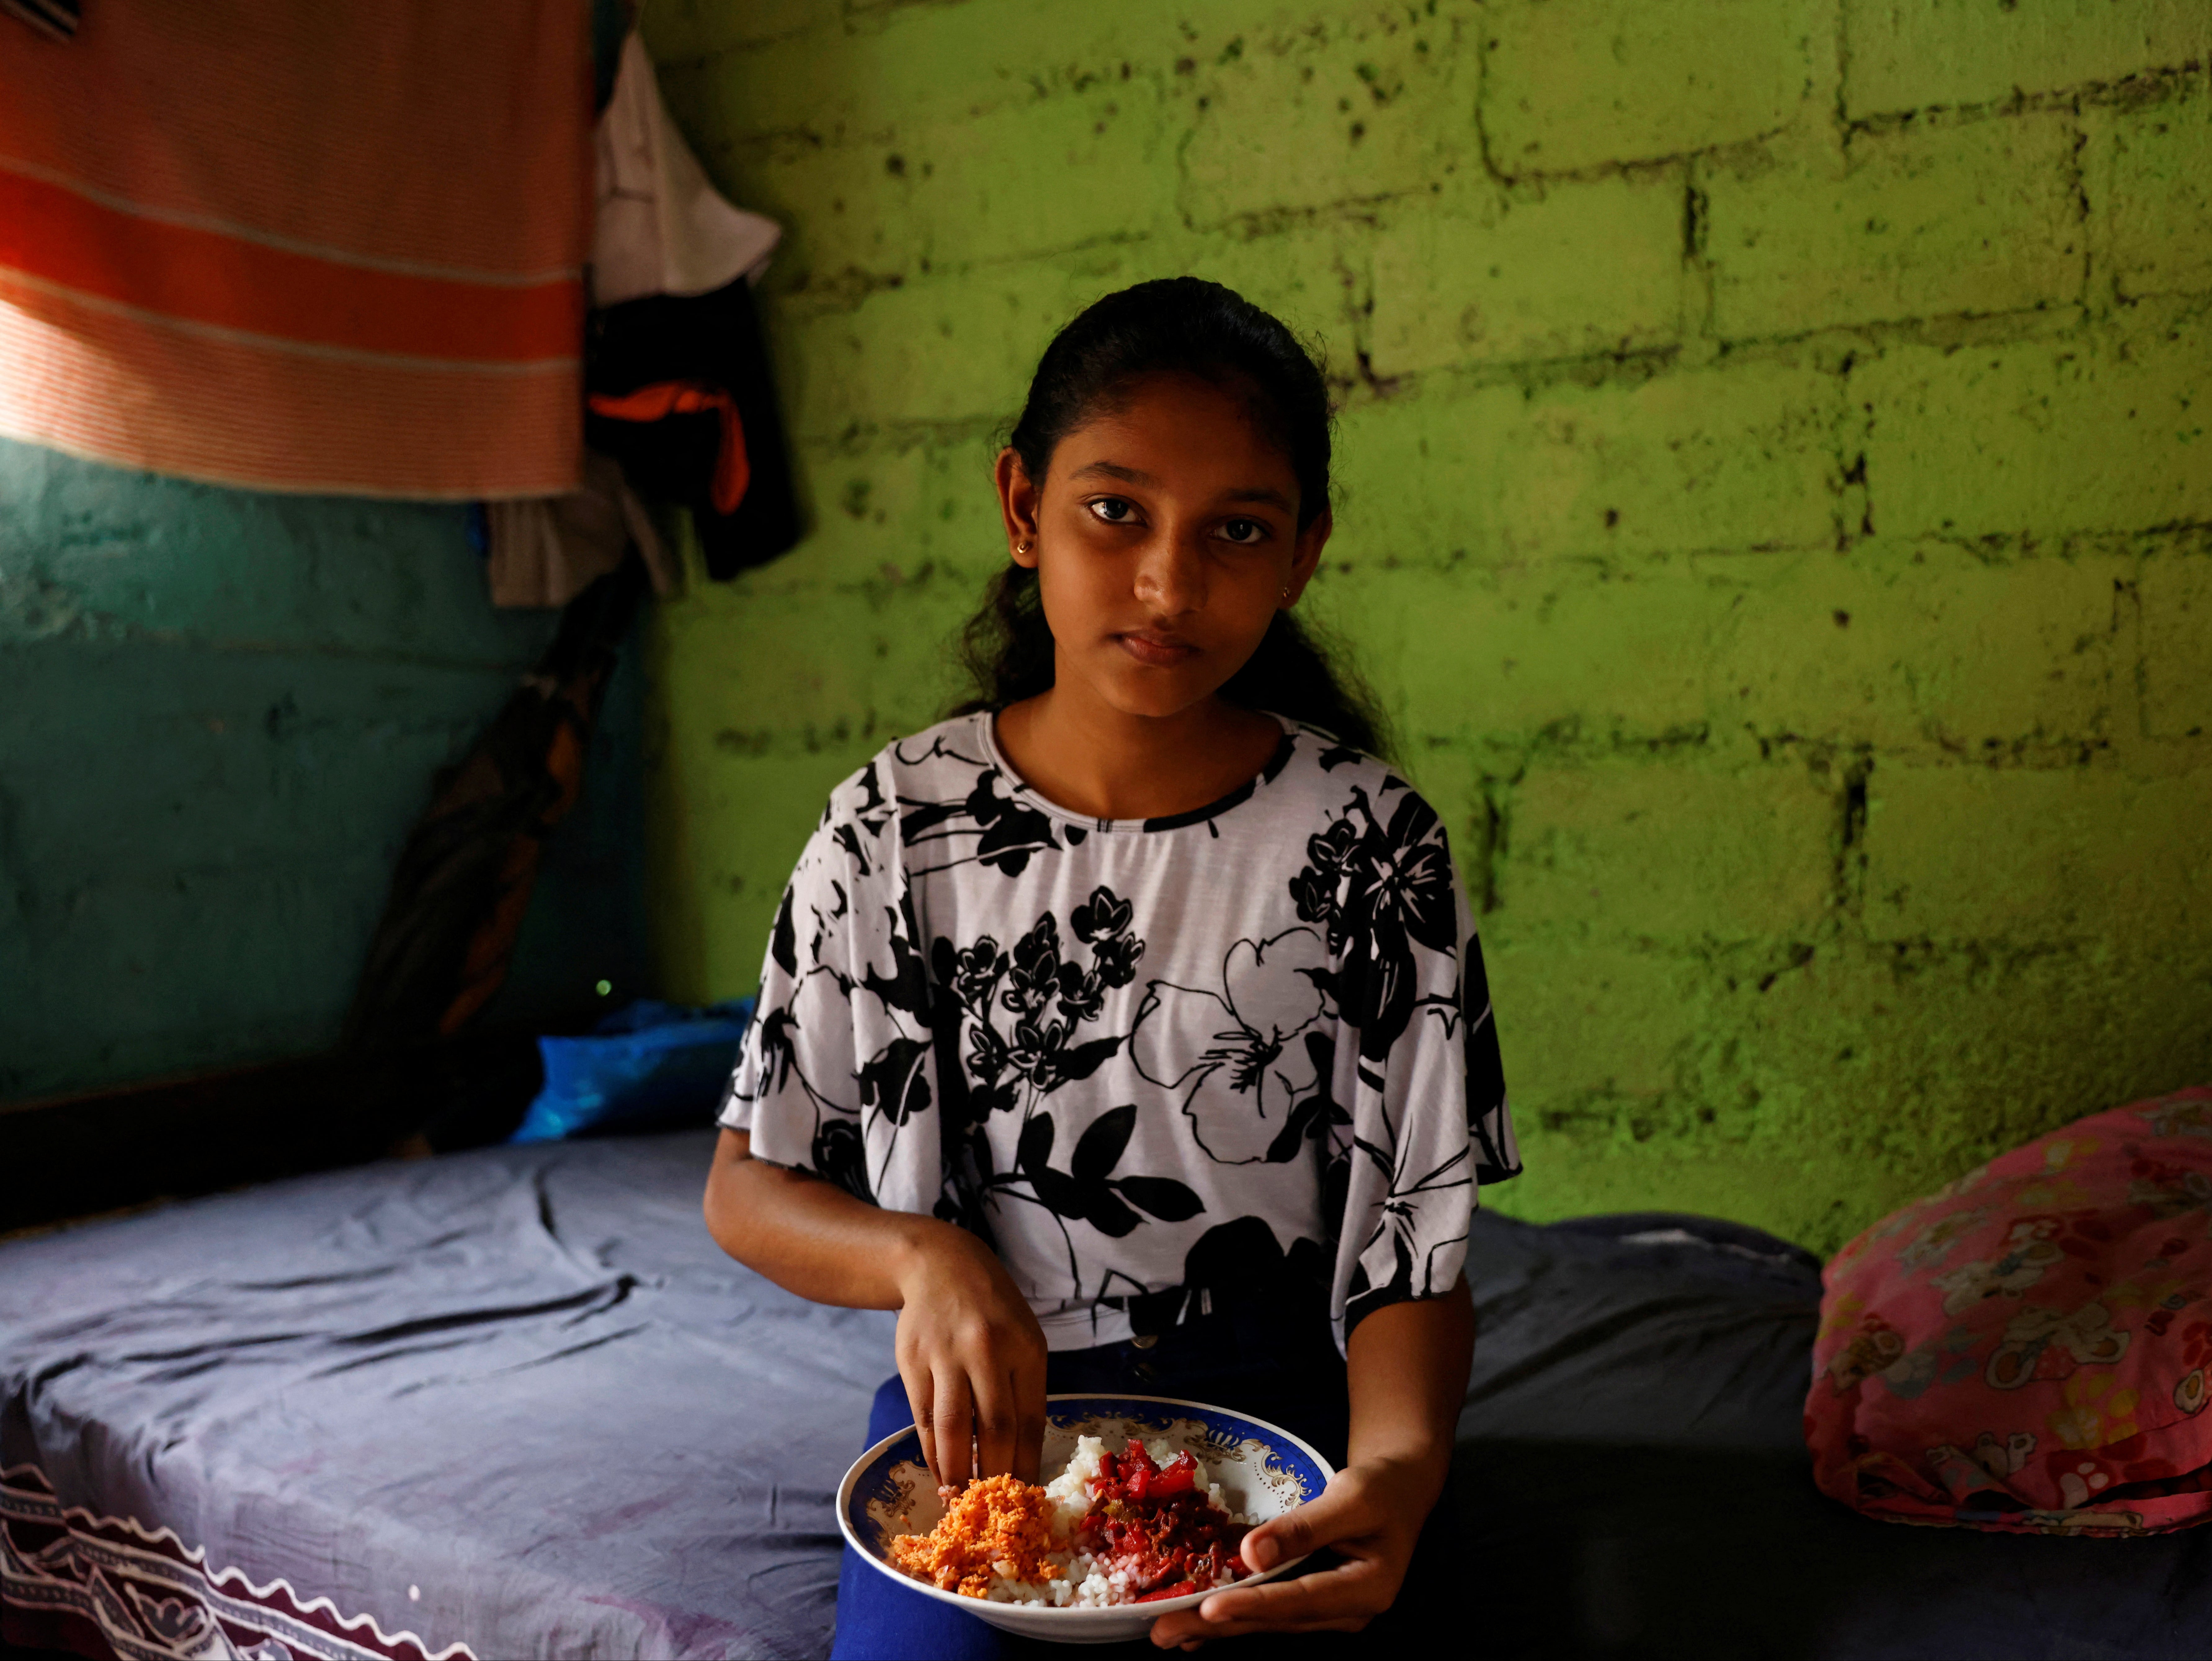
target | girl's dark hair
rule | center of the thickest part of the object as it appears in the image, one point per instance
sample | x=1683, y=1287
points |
x=1186, y=326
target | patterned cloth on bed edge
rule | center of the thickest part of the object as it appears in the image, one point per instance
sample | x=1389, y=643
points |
x=101, y=1585
x=2026, y=1350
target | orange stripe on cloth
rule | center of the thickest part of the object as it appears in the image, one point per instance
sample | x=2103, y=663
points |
x=305, y=245
x=53, y=232
x=455, y=136
x=104, y=382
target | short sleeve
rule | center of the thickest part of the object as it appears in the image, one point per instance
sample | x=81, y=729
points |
x=836, y=1073
x=1424, y=1117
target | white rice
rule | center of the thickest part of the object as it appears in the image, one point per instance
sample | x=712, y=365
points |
x=1084, y=1580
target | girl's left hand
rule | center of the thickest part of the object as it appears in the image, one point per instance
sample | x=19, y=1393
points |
x=1370, y=1515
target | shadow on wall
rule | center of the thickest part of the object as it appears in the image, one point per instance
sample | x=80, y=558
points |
x=219, y=714
x=1776, y=502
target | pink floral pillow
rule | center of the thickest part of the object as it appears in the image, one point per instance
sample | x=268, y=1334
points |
x=2026, y=1350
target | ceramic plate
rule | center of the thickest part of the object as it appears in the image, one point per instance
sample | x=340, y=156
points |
x=1263, y=1471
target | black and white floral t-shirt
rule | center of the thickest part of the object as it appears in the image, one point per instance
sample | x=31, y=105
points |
x=1245, y=1050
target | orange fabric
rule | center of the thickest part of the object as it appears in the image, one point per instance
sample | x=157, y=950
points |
x=734, y=470
x=314, y=246
x=110, y=386
x=50, y=234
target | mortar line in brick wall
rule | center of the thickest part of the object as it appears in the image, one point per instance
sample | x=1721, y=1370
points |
x=1940, y=329
x=1847, y=899
x=1943, y=331
x=2125, y=299
x=2003, y=550
x=2127, y=614
x=1531, y=376
x=808, y=296
x=2143, y=90
x=1182, y=184
x=1637, y=167
x=1351, y=210
x=896, y=437
x=1483, y=148
x=1946, y=332
x=846, y=290
x=2077, y=178
x=1696, y=210
x=1840, y=114
x=1699, y=296
x=2146, y=88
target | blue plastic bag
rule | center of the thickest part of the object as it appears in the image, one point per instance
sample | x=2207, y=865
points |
x=650, y=1066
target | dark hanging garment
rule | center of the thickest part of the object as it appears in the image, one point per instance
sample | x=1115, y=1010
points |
x=463, y=879
x=674, y=384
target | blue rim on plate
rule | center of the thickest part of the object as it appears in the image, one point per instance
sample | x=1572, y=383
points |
x=1288, y=1458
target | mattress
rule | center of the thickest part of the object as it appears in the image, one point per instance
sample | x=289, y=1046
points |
x=515, y=1402
x=1633, y=1482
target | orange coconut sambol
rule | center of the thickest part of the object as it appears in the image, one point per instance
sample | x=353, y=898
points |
x=1001, y=1525
x=1128, y=1528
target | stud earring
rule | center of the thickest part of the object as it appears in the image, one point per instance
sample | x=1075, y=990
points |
x=1022, y=547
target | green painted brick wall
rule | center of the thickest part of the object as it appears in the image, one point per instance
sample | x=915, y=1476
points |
x=1775, y=505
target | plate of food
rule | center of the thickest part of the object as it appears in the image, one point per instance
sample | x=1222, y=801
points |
x=1143, y=1511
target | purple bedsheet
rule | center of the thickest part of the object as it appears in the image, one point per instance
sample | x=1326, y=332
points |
x=514, y=1399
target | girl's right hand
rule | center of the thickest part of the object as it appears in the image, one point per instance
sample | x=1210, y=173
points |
x=972, y=1357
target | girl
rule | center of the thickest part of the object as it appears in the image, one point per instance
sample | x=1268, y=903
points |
x=1126, y=1032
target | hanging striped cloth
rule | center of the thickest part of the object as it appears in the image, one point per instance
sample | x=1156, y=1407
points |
x=301, y=245
x=58, y=18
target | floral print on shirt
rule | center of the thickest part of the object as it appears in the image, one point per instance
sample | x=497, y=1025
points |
x=1243, y=1053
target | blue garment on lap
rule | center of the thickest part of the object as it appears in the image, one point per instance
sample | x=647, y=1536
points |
x=1250, y=1360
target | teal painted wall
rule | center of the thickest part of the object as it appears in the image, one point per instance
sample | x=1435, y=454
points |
x=1776, y=507
x=220, y=711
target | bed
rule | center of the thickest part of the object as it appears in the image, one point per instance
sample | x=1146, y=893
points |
x=514, y=1402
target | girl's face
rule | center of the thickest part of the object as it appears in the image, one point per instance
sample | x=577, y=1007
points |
x=1164, y=539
